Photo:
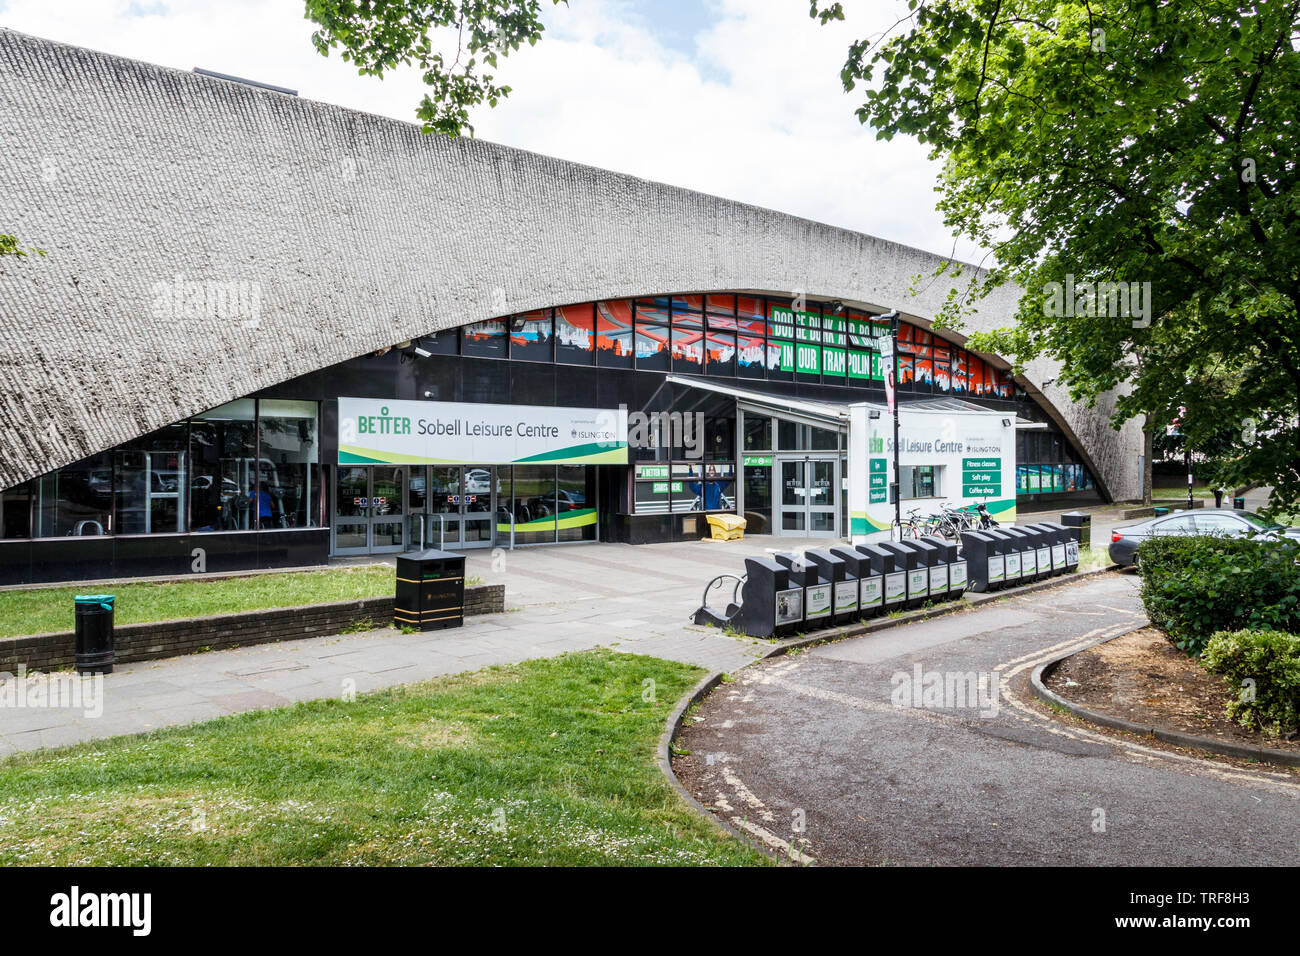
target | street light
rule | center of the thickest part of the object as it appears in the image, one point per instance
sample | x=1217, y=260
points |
x=891, y=395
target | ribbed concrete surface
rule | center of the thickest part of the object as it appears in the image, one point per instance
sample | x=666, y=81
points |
x=359, y=232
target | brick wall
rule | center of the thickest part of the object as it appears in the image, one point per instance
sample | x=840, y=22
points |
x=146, y=642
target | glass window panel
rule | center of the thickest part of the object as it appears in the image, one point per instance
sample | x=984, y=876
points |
x=152, y=483
x=223, y=450
x=576, y=503
x=780, y=360
x=486, y=339
x=781, y=323
x=906, y=371
x=807, y=327
x=758, y=499
x=653, y=311
x=960, y=380
x=719, y=438
x=975, y=368
x=751, y=352
x=720, y=304
x=751, y=311
x=923, y=364
x=688, y=350
x=652, y=347
x=289, y=463
x=446, y=342
x=614, y=333
x=688, y=303
x=575, y=334
x=150, y=491
x=15, y=512
x=532, y=500
x=76, y=500
x=720, y=353
x=532, y=337
x=758, y=433
x=824, y=439
x=942, y=368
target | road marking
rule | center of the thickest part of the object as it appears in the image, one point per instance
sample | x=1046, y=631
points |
x=774, y=841
x=1273, y=781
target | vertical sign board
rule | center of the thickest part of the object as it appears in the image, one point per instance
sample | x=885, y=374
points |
x=971, y=452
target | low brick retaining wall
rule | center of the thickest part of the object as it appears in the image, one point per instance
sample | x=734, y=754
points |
x=147, y=642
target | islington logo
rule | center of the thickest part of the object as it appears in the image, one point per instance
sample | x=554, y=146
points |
x=75, y=909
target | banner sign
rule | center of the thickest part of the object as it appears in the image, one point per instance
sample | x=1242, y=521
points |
x=398, y=432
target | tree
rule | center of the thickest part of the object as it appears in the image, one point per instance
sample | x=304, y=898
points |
x=382, y=35
x=1133, y=165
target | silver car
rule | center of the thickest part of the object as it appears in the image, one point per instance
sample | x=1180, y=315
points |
x=1224, y=522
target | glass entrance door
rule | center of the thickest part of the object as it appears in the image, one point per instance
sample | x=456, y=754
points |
x=462, y=506
x=808, y=497
x=369, y=505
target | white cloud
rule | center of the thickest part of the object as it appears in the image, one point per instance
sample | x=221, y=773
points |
x=757, y=114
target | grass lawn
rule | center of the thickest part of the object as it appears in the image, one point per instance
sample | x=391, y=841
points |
x=43, y=610
x=544, y=762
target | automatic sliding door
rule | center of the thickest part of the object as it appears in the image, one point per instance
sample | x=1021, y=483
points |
x=793, y=502
x=822, y=497
x=808, y=499
x=352, y=510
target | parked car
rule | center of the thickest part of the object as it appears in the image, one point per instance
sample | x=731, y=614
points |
x=566, y=501
x=1209, y=521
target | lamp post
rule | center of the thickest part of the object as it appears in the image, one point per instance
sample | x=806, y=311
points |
x=891, y=394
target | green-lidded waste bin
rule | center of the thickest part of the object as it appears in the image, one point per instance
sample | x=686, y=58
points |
x=94, y=645
x=1160, y=511
x=1239, y=504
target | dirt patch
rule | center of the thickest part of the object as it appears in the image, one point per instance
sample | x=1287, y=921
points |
x=1143, y=678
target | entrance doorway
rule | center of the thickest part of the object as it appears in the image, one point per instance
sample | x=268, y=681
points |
x=808, y=496
x=382, y=509
x=462, y=507
x=370, y=509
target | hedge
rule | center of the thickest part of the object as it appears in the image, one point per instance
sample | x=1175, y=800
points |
x=1193, y=587
x=1263, y=667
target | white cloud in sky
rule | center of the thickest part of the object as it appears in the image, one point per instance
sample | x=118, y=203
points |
x=749, y=108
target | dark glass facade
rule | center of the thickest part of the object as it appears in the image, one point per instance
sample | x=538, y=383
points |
x=266, y=463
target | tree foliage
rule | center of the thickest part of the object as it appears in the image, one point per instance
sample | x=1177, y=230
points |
x=1124, y=141
x=381, y=35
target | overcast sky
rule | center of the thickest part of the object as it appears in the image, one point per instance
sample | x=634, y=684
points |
x=739, y=98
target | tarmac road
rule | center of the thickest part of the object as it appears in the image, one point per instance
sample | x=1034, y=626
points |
x=811, y=754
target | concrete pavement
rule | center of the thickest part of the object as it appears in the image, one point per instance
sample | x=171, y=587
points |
x=558, y=599
x=844, y=753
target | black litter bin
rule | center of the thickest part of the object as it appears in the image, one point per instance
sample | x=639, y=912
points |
x=430, y=590
x=1080, y=526
x=94, y=647
x=1239, y=504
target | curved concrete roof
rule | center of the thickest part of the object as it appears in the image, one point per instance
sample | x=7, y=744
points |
x=349, y=232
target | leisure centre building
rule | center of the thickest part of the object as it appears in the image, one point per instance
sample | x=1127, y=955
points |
x=265, y=331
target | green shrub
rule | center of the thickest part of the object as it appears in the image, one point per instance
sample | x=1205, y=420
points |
x=1195, y=586
x=1263, y=667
